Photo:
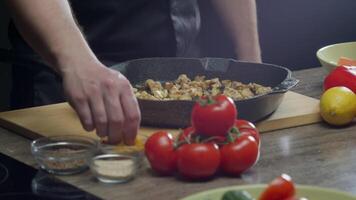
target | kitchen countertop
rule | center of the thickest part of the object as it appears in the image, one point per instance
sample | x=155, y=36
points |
x=316, y=154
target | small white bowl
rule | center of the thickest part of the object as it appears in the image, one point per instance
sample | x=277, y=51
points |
x=115, y=168
x=329, y=56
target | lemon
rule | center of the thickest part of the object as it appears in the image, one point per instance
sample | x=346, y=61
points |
x=122, y=148
x=338, y=105
x=138, y=147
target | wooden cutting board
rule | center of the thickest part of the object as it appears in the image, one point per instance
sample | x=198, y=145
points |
x=60, y=119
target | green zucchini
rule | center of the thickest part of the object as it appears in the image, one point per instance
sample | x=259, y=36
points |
x=237, y=195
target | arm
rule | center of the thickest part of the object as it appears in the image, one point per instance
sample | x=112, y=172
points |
x=241, y=21
x=102, y=98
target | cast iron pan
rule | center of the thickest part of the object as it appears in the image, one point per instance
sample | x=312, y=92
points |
x=176, y=113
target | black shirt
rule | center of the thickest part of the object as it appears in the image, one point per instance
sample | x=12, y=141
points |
x=116, y=30
x=119, y=30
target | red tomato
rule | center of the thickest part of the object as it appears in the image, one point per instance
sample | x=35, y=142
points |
x=241, y=123
x=197, y=161
x=240, y=155
x=341, y=76
x=291, y=198
x=214, y=118
x=280, y=188
x=251, y=132
x=247, y=128
x=160, y=152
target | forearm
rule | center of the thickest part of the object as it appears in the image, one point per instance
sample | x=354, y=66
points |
x=49, y=28
x=102, y=97
x=241, y=21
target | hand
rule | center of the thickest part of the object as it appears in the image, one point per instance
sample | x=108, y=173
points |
x=104, y=100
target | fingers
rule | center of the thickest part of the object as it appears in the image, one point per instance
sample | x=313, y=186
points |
x=83, y=110
x=98, y=111
x=114, y=112
x=79, y=102
x=132, y=114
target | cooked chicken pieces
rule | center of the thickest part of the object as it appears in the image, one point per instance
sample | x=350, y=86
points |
x=186, y=89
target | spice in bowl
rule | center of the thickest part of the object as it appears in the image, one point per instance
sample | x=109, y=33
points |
x=60, y=165
x=114, y=168
x=64, y=155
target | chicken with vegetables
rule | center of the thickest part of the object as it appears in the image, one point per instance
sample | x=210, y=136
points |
x=184, y=88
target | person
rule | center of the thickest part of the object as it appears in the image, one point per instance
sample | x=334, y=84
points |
x=78, y=40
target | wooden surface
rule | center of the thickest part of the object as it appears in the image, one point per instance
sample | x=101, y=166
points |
x=315, y=154
x=59, y=119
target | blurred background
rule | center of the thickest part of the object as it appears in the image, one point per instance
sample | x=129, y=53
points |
x=5, y=70
x=290, y=33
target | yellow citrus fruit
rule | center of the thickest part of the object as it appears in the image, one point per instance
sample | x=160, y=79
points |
x=125, y=149
x=139, y=146
x=338, y=105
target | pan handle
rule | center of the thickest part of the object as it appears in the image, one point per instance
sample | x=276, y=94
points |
x=286, y=85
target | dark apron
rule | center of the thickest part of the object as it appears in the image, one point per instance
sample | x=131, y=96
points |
x=116, y=30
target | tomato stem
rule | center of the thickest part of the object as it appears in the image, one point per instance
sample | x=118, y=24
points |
x=180, y=133
x=202, y=101
x=206, y=100
x=197, y=139
x=233, y=133
x=210, y=101
x=187, y=139
x=178, y=144
x=234, y=130
x=230, y=137
x=209, y=139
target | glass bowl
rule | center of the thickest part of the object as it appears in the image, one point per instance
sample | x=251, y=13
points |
x=115, y=168
x=64, y=155
x=118, y=163
x=136, y=150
